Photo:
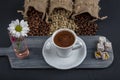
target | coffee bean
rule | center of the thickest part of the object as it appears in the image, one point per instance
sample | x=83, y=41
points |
x=37, y=26
x=85, y=27
x=59, y=19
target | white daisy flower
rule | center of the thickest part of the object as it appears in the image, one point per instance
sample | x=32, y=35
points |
x=18, y=28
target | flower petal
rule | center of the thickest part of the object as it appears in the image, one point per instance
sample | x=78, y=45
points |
x=22, y=22
x=17, y=21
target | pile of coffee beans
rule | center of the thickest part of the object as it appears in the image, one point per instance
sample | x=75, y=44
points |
x=32, y=12
x=59, y=19
x=82, y=24
x=61, y=11
x=85, y=27
x=37, y=26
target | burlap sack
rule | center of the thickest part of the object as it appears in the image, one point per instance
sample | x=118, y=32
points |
x=90, y=6
x=39, y=5
x=65, y=4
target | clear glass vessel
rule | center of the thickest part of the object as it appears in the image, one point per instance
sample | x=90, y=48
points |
x=20, y=47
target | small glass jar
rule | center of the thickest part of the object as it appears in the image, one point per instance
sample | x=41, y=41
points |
x=20, y=47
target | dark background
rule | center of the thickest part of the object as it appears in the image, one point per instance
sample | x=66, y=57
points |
x=109, y=28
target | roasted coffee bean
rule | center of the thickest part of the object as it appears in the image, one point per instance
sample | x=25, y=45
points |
x=84, y=16
x=37, y=26
x=32, y=12
x=85, y=27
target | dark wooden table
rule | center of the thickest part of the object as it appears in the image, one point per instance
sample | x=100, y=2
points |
x=109, y=28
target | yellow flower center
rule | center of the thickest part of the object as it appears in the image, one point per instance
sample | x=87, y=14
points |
x=18, y=28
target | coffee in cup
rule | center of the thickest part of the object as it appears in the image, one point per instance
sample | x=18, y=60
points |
x=65, y=41
x=64, y=38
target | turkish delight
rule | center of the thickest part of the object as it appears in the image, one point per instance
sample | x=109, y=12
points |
x=100, y=47
x=98, y=55
x=108, y=46
x=102, y=39
x=105, y=56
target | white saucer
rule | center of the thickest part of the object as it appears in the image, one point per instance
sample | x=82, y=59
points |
x=75, y=59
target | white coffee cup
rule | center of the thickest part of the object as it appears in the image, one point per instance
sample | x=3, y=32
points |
x=66, y=51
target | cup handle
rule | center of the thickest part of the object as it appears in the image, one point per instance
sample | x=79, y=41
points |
x=77, y=45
